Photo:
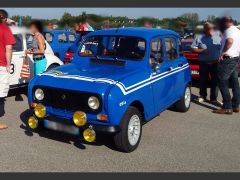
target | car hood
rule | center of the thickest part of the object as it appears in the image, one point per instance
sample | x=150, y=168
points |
x=94, y=78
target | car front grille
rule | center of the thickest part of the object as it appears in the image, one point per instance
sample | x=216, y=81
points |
x=68, y=100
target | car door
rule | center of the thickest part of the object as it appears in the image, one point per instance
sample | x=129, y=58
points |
x=17, y=60
x=163, y=83
x=176, y=64
x=52, y=40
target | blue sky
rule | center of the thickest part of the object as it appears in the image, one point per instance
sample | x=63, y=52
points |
x=130, y=12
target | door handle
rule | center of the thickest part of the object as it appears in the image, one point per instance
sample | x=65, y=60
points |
x=180, y=65
x=170, y=68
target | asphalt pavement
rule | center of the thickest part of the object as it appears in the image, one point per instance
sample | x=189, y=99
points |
x=196, y=141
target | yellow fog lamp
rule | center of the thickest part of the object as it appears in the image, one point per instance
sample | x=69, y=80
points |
x=32, y=122
x=89, y=135
x=79, y=118
x=40, y=111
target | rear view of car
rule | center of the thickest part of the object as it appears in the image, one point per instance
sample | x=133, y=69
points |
x=60, y=41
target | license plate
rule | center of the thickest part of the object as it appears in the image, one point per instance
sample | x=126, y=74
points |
x=195, y=72
x=61, y=127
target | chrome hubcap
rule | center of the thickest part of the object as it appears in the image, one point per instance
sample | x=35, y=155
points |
x=134, y=130
x=187, y=97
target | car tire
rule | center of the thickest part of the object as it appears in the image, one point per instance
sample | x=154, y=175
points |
x=52, y=66
x=184, y=103
x=128, y=139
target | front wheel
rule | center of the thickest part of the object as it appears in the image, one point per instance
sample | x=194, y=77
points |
x=128, y=139
x=184, y=103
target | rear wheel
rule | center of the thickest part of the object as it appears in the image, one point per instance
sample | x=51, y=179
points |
x=128, y=139
x=184, y=104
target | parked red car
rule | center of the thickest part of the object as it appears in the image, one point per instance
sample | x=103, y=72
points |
x=192, y=57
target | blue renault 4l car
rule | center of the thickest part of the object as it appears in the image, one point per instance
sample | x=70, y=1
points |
x=118, y=80
x=60, y=41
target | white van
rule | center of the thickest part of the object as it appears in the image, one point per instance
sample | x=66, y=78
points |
x=23, y=41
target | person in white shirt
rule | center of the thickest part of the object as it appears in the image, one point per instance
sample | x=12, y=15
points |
x=227, y=71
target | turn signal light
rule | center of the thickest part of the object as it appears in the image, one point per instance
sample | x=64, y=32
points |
x=79, y=118
x=32, y=122
x=102, y=117
x=89, y=135
x=33, y=105
x=40, y=111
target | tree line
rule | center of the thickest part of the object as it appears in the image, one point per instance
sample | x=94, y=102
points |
x=187, y=20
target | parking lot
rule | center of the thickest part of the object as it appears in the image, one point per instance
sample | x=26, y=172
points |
x=194, y=141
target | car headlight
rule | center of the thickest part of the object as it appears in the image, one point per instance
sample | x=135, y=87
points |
x=39, y=94
x=93, y=103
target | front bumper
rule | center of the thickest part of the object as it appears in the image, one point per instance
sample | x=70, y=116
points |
x=104, y=129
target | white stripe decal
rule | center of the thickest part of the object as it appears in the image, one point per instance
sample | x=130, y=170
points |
x=125, y=90
x=150, y=82
x=151, y=78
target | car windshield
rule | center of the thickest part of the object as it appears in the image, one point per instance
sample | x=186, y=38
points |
x=117, y=47
x=18, y=46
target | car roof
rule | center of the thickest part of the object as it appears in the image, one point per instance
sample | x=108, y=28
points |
x=136, y=31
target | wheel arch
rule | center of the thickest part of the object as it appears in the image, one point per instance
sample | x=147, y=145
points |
x=139, y=105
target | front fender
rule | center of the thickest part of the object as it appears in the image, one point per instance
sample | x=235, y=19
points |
x=118, y=103
x=30, y=87
x=52, y=59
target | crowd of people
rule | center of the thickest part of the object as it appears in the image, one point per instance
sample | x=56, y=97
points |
x=83, y=25
x=218, y=49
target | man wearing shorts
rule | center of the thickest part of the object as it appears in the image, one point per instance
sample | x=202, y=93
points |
x=6, y=42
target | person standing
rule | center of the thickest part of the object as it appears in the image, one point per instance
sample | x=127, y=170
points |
x=6, y=41
x=227, y=67
x=38, y=47
x=208, y=47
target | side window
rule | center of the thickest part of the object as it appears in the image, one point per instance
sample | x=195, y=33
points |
x=71, y=38
x=156, y=54
x=18, y=46
x=171, y=48
x=29, y=41
x=49, y=37
x=62, y=38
